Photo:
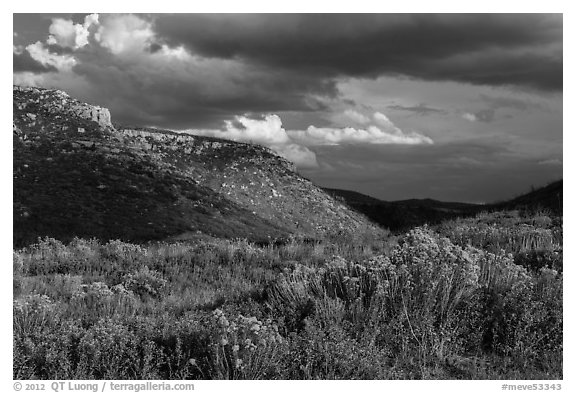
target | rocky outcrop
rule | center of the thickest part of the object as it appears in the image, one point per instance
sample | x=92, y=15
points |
x=206, y=147
x=95, y=113
x=253, y=176
x=38, y=101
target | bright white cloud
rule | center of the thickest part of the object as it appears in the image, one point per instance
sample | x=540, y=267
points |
x=383, y=131
x=470, y=117
x=66, y=33
x=124, y=34
x=291, y=144
x=383, y=120
x=268, y=132
x=39, y=52
x=370, y=135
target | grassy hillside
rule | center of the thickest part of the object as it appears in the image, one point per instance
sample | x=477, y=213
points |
x=75, y=175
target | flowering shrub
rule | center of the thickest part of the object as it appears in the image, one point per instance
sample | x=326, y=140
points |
x=145, y=282
x=244, y=347
x=429, y=293
x=110, y=350
x=31, y=314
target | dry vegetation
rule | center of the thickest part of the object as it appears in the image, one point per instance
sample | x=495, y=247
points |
x=475, y=298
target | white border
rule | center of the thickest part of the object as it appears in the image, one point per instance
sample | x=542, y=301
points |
x=229, y=6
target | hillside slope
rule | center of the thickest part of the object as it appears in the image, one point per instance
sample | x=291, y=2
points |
x=75, y=174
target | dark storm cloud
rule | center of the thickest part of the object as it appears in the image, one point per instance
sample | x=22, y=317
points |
x=23, y=62
x=468, y=171
x=523, y=50
x=148, y=95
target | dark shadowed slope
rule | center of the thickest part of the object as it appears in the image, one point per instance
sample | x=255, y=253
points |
x=549, y=197
x=399, y=216
x=402, y=215
x=75, y=174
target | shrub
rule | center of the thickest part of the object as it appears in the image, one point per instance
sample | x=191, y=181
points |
x=109, y=350
x=32, y=314
x=145, y=283
x=245, y=348
x=433, y=305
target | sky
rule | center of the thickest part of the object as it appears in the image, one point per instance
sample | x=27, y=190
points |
x=455, y=107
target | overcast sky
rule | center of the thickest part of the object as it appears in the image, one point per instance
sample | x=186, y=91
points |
x=452, y=107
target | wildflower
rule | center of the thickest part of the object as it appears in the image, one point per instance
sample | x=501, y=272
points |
x=223, y=341
x=192, y=362
x=236, y=348
x=238, y=363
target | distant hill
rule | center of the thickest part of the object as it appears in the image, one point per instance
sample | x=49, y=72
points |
x=549, y=197
x=76, y=174
x=402, y=215
x=405, y=214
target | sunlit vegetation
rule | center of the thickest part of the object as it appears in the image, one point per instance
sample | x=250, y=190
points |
x=474, y=298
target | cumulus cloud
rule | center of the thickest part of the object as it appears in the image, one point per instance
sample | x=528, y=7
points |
x=65, y=37
x=292, y=144
x=39, y=52
x=23, y=62
x=382, y=131
x=125, y=33
x=471, y=117
x=268, y=132
x=67, y=34
x=371, y=135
